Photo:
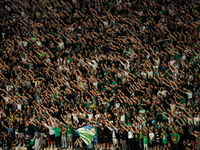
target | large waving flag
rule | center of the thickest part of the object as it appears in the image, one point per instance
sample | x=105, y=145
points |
x=88, y=135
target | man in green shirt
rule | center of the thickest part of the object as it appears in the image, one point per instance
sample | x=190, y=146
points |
x=175, y=139
x=31, y=142
x=69, y=134
x=57, y=132
x=164, y=136
x=145, y=141
x=142, y=111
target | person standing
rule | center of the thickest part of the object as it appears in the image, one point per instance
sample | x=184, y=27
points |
x=175, y=139
x=57, y=132
x=42, y=142
x=151, y=138
x=37, y=141
x=130, y=136
x=123, y=137
x=31, y=144
x=145, y=141
x=63, y=137
x=114, y=132
x=137, y=139
x=52, y=134
x=164, y=137
x=21, y=133
x=69, y=133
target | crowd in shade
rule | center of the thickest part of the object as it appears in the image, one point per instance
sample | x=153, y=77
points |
x=128, y=68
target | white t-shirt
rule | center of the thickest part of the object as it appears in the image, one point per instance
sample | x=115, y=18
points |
x=150, y=73
x=151, y=135
x=59, y=61
x=170, y=120
x=25, y=43
x=155, y=67
x=119, y=75
x=172, y=62
x=94, y=64
x=20, y=43
x=144, y=74
x=164, y=92
x=105, y=24
x=74, y=117
x=183, y=57
x=189, y=95
x=172, y=107
x=130, y=135
x=19, y=106
x=122, y=118
x=6, y=99
x=39, y=43
x=117, y=105
x=24, y=59
x=196, y=119
x=90, y=116
x=95, y=84
x=61, y=45
x=159, y=92
x=97, y=116
x=9, y=87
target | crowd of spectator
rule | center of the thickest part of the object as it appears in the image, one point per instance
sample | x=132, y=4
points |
x=129, y=68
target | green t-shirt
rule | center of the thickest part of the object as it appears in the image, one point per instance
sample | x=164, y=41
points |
x=106, y=73
x=69, y=60
x=57, y=131
x=69, y=129
x=32, y=142
x=164, y=117
x=183, y=100
x=34, y=38
x=175, y=137
x=142, y=111
x=102, y=90
x=42, y=54
x=177, y=56
x=167, y=74
x=128, y=124
x=123, y=80
x=145, y=139
x=114, y=83
x=87, y=104
x=22, y=54
x=163, y=12
x=165, y=139
x=56, y=95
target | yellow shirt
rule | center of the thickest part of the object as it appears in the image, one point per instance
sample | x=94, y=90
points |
x=37, y=83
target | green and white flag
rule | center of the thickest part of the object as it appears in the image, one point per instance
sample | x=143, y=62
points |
x=88, y=135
